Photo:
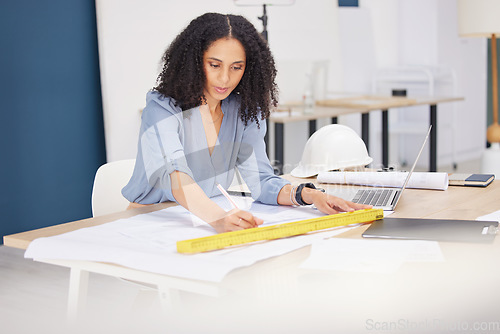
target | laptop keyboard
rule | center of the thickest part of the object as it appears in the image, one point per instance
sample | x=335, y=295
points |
x=375, y=197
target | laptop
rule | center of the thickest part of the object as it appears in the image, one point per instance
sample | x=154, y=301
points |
x=433, y=229
x=379, y=197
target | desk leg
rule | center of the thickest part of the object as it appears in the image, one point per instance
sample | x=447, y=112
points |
x=365, y=129
x=266, y=137
x=144, y=299
x=312, y=127
x=168, y=298
x=279, y=133
x=385, y=138
x=77, y=298
x=433, y=148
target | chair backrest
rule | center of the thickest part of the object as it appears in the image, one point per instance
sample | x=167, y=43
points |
x=109, y=180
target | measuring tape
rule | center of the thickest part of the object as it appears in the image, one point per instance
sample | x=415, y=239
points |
x=222, y=240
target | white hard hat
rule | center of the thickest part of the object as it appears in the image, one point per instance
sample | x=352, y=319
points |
x=332, y=147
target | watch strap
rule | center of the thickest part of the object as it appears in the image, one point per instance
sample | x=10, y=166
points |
x=298, y=192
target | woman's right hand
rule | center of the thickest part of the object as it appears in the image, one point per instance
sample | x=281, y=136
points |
x=236, y=220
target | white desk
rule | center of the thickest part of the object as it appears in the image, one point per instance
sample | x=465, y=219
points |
x=332, y=109
x=276, y=295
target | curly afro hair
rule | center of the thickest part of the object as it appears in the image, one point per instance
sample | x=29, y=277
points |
x=183, y=76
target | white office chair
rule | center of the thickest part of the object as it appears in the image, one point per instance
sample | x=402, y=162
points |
x=107, y=198
x=109, y=180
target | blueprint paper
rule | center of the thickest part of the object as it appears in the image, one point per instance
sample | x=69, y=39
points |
x=148, y=242
x=418, y=180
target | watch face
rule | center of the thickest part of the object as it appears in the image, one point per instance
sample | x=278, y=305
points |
x=298, y=194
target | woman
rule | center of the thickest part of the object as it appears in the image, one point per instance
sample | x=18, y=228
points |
x=206, y=117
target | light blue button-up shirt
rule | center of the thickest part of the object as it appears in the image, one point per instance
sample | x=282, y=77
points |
x=171, y=139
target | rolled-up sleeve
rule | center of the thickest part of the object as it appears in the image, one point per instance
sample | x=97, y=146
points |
x=255, y=167
x=160, y=152
x=163, y=153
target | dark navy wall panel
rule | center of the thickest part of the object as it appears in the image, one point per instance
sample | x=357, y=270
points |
x=52, y=137
x=348, y=3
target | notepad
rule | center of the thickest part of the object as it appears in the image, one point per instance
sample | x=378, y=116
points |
x=470, y=180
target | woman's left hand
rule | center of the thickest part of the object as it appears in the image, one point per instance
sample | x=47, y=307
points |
x=330, y=204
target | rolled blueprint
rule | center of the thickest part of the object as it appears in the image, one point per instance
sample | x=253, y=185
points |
x=419, y=180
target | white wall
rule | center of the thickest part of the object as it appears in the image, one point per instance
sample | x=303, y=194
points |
x=384, y=16
x=425, y=32
x=439, y=44
x=468, y=56
x=133, y=35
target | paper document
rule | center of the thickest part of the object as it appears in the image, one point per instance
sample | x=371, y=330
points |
x=420, y=180
x=494, y=217
x=378, y=256
x=148, y=242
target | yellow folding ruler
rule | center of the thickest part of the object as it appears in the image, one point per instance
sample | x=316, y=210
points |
x=277, y=231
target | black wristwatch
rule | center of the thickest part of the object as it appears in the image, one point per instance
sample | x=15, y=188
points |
x=298, y=192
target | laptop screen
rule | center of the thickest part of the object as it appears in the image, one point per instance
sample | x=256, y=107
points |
x=414, y=164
